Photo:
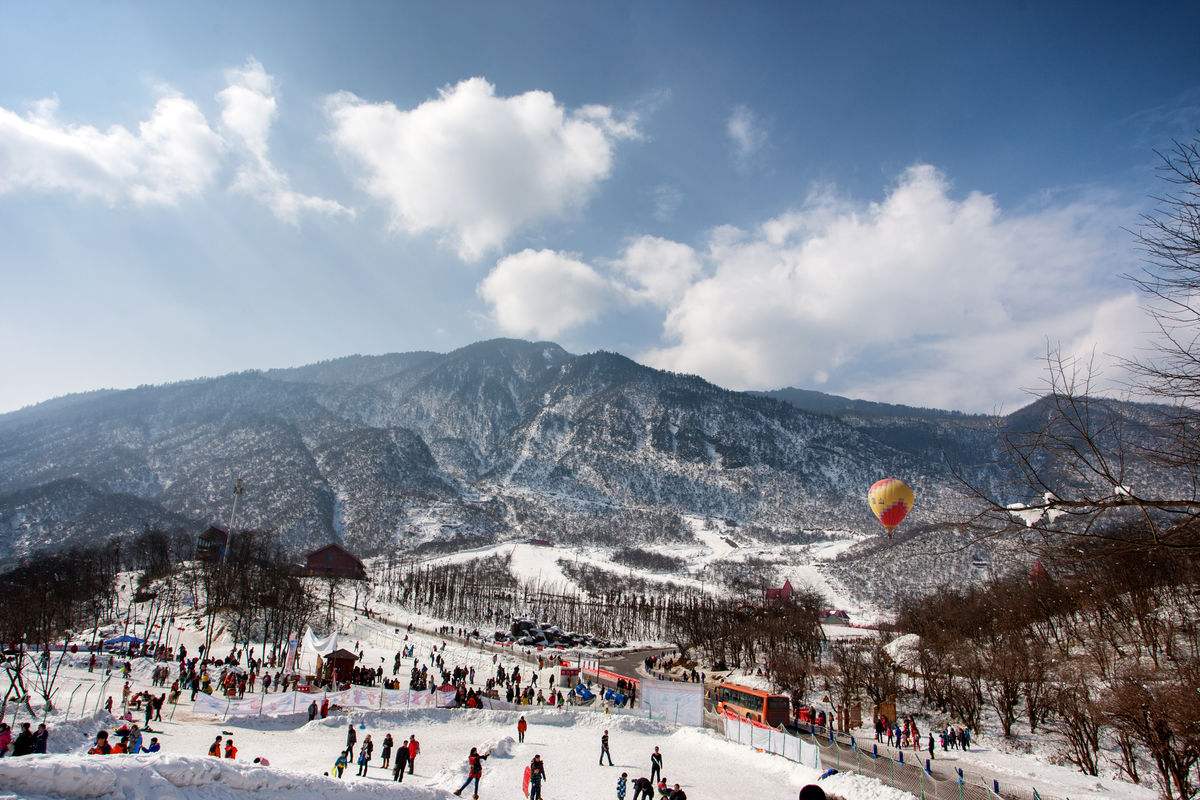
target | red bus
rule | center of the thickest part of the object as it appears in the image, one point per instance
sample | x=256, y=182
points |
x=756, y=704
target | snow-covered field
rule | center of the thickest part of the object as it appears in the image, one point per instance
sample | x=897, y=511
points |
x=701, y=761
x=715, y=542
x=301, y=752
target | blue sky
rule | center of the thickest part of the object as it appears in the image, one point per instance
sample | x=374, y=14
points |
x=897, y=201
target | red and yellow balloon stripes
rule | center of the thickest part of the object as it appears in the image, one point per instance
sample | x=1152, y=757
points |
x=891, y=499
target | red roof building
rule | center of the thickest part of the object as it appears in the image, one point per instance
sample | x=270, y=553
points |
x=784, y=592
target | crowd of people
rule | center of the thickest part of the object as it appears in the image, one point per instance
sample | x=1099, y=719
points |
x=26, y=742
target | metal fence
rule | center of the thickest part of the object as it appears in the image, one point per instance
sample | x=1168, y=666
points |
x=822, y=749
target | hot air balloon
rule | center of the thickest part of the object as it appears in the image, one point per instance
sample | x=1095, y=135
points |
x=891, y=499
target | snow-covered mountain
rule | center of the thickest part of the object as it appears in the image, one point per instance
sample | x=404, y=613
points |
x=500, y=439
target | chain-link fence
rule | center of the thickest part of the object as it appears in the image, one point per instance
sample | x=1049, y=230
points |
x=822, y=749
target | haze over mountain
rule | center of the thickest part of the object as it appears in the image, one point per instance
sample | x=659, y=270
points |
x=497, y=440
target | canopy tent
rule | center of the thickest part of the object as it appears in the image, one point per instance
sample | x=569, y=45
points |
x=320, y=645
x=123, y=640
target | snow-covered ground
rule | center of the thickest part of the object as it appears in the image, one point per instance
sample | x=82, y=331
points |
x=301, y=752
x=702, y=762
x=715, y=541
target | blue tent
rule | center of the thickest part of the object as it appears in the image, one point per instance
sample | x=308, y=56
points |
x=123, y=640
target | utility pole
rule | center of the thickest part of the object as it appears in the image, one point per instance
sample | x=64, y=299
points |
x=238, y=490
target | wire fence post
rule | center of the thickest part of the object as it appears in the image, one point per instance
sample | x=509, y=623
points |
x=71, y=700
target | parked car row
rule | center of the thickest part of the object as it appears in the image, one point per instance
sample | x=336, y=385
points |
x=529, y=633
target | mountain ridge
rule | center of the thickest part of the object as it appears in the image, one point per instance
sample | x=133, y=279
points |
x=497, y=440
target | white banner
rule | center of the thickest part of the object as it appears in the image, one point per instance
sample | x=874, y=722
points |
x=357, y=697
x=673, y=701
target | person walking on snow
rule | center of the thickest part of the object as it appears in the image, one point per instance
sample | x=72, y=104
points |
x=401, y=762
x=474, y=771
x=655, y=764
x=414, y=747
x=362, y=762
x=386, y=751
x=537, y=775
x=604, y=750
x=522, y=726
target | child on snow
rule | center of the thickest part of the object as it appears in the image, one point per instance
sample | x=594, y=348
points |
x=621, y=785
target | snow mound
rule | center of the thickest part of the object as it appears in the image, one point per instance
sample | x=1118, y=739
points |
x=174, y=777
x=860, y=787
x=450, y=778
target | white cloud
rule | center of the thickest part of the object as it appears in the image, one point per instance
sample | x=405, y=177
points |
x=920, y=298
x=660, y=270
x=667, y=199
x=746, y=132
x=542, y=293
x=172, y=155
x=248, y=108
x=476, y=167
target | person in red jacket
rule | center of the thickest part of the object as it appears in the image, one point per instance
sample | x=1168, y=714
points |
x=522, y=726
x=230, y=750
x=474, y=771
x=414, y=747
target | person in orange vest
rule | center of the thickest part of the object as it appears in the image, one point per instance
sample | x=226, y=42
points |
x=522, y=726
x=230, y=750
x=214, y=749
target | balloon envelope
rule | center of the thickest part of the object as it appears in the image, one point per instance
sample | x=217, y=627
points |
x=891, y=499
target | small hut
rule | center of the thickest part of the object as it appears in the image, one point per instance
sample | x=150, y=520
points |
x=339, y=664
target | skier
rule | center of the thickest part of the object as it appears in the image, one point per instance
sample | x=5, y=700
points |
x=414, y=747
x=604, y=750
x=655, y=764
x=537, y=774
x=401, y=761
x=474, y=771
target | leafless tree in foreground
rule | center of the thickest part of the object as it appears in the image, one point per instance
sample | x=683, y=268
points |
x=1091, y=469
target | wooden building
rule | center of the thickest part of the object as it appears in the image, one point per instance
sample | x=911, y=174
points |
x=334, y=561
